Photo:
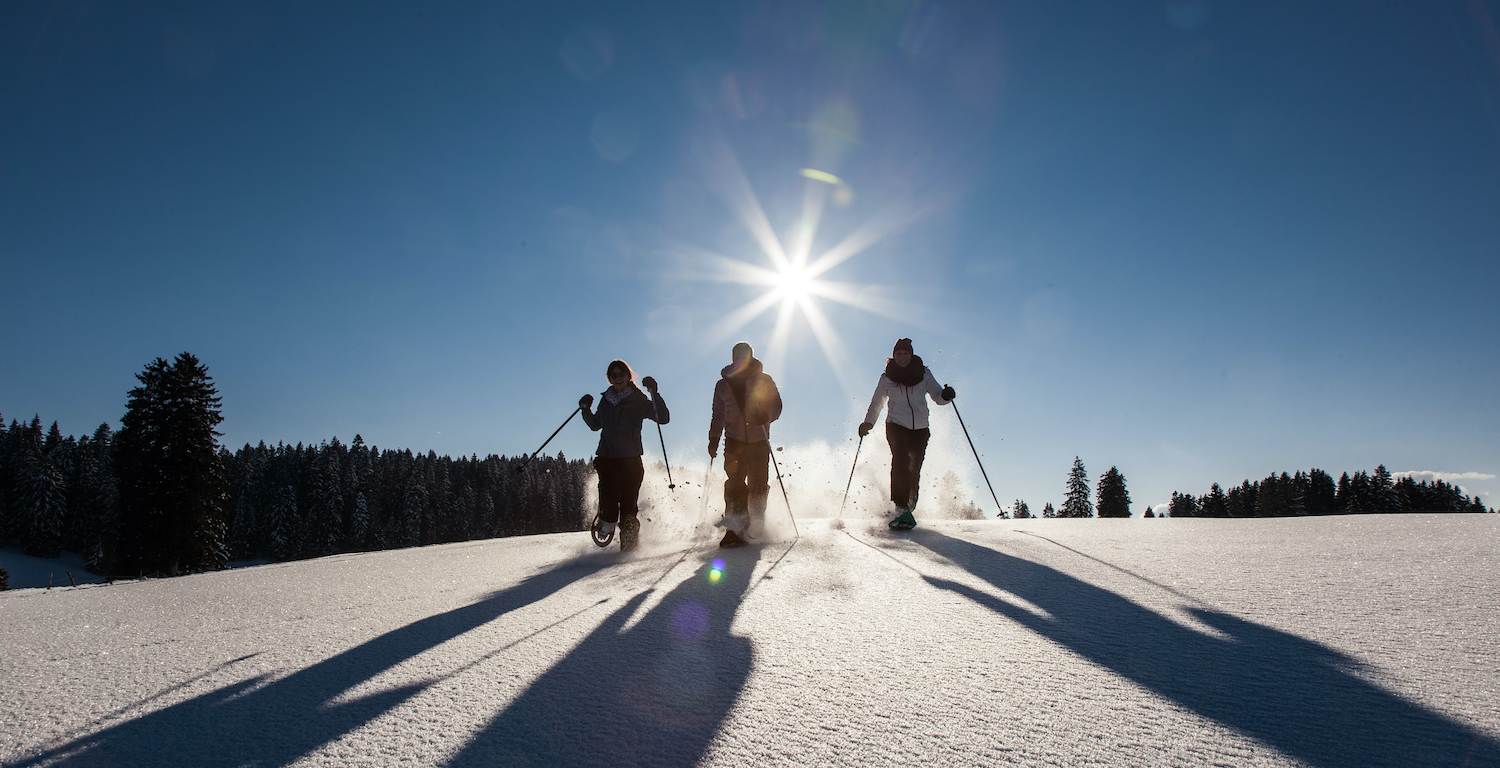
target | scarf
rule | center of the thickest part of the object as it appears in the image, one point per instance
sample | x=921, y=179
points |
x=615, y=398
x=910, y=376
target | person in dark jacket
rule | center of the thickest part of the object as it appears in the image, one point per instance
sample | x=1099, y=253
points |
x=906, y=384
x=622, y=410
x=746, y=401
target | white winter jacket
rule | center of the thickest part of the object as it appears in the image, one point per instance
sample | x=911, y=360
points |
x=908, y=408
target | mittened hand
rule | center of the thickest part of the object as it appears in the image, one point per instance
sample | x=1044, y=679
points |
x=585, y=401
x=864, y=429
x=713, y=449
x=949, y=394
x=650, y=384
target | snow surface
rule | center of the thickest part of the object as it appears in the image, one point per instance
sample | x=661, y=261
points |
x=1340, y=641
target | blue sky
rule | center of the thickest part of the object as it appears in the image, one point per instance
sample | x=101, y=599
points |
x=1197, y=241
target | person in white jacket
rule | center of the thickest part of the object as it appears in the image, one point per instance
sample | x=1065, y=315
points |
x=905, y=385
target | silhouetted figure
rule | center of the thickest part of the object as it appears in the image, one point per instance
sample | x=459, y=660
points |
x=746, y=401
x=622, y=409
x=904, y=383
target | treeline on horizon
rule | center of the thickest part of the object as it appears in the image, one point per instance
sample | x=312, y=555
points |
x=1303, y=493
x=161, y=497
x=1315, y=493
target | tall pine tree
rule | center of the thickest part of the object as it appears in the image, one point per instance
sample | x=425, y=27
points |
x=171, y=483
x=1114, y=500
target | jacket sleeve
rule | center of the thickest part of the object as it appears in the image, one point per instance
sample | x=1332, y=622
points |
x=877, y=401
x=716, y=422
x=592, y=419
x=934, y=390
x=659, y=412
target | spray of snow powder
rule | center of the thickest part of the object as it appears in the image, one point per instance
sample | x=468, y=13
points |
x=815, y=475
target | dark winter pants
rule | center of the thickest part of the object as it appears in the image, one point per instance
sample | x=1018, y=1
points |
x=619, y=486
x=745, y=492
x=908, y=449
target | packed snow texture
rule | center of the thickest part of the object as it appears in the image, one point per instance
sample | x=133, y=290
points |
x=1336, y=641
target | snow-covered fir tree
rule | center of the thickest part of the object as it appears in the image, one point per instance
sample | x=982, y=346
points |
x=1076, y=502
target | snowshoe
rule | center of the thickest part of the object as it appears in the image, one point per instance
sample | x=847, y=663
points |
x=903, y=521
x=602, y=531
x=731, y=539
x=630, y=534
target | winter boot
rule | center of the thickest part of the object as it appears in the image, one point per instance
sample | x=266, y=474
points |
x=630, y=533
x=731, y=539
x=903, y=521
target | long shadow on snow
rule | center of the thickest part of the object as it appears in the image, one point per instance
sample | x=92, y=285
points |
x=276, y=724
x=1294, y=694
x=654, y=694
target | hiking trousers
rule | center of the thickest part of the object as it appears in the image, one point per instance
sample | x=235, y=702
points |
x=745, y=492
x=619, y=487
x=908, y=449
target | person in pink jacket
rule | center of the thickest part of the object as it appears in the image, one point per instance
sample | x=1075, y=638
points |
x=905, y=386
x=746, y=401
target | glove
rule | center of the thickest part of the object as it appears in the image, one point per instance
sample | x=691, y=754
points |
x=864, y=429
x=949, y=394
x=650, y=384
x=713, y=449
x=585, y=401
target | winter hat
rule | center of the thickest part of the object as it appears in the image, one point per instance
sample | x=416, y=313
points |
x=902, y=344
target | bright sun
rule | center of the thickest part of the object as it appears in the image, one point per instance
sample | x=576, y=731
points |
x=794, y=283
x=794, y=279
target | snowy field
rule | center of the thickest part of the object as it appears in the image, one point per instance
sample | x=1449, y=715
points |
x=1339, y=641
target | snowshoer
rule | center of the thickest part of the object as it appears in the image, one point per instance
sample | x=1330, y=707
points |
x=746, y=401
x=622, y=410
x=906, y=383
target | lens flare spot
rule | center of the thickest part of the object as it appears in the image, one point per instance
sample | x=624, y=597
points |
x=823, y=176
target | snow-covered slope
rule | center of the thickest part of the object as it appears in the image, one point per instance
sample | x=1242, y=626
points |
x=1348, y=641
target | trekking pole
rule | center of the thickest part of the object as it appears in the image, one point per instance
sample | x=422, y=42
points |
x=976, y=458
x=670, y=485
x=707, y=478
x=784, y=498
x=850, y=484
x=554, y=434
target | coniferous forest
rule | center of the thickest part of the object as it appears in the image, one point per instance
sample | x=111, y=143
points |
x=161, y=497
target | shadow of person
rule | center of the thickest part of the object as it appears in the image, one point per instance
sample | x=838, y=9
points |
x=651, y=694
x=1296, y=695
x=277, y=723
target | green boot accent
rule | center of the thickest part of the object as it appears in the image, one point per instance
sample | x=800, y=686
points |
x=903, y=521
